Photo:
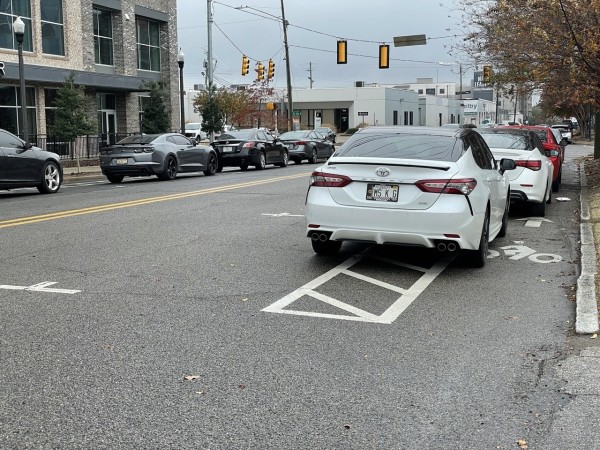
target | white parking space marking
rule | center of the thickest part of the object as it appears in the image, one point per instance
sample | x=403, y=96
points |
x=40, y=287
x=518, y=252
x=534, y=222
x=407, y=296
x=282, y=215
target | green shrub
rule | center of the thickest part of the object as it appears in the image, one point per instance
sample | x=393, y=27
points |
x=350, y=131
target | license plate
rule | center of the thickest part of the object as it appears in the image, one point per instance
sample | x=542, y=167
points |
x=382, y=192
x=121, y=161
x=228, y=149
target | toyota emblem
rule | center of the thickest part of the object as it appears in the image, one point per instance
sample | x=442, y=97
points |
x=382, y=171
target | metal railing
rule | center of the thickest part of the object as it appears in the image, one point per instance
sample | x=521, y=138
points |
x=82, y=147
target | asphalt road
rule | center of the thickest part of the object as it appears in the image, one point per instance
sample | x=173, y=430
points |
x=212, y=278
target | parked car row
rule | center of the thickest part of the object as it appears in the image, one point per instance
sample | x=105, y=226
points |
x=444, y=188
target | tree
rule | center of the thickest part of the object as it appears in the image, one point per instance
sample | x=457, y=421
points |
x=207, y=104
x=156, y=117
x=72, y=112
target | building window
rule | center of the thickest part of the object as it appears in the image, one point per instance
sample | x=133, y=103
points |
x=442, y=91
x=420, y=91
x=430, y=91
x=10, y=106
x=53, y=39
x=50, y=109
x=9, y=11
x=148, y=45
x=405, y=117
x=144, y=101
x=395, y=118
x=410, y=118
x=103, y=40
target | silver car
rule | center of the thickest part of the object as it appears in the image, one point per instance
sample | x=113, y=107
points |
x=163, y=155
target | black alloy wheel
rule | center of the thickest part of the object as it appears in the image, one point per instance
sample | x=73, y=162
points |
x=262, y=161
x=504, y=226
x=313, y=156
x=170, y=172
x=51, y=179
x=211, y=167
x=477, y=258
x=284, y=162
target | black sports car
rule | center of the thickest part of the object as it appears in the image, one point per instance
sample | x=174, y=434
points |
x=163, y=155
x=27, y=166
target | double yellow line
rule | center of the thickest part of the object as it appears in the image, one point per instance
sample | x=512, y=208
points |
x=144, y=201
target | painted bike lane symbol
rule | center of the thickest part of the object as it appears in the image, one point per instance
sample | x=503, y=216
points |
x=517, y=252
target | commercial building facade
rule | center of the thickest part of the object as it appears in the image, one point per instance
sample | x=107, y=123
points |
x=111, y=46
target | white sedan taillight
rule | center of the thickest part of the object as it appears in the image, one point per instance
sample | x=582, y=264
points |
x=462, y=186
x=321, y=179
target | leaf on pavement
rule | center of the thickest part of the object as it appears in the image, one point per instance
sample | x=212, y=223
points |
x=191, y=377
x=245, y=299
x=522, y=443
x=200, y=392
x=594, y=336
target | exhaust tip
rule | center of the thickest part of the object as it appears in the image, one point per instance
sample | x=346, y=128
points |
x=451, y=247
x=315, y=236
x=441, y=247
x=323, y=237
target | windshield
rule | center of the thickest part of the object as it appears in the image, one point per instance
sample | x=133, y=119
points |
x=139, y=139
x=292, y=135
x=192, y=126
x=403, y=145
x=507, y=140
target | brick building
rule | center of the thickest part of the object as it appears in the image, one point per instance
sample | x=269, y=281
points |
x=112, y=46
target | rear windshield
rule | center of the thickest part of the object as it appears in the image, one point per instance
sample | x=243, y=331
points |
x=241, y=135
x=294, y=135
x=506, y=140
x=403, y=145
x=192, y=126
x=139, y=139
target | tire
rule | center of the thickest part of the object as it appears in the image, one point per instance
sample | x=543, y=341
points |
x=262, y=161
x=313, y=157
x=219, y=167
x=327, y=248
x=51, y=178
x=116, y=179
x=477, y=258
x=504, y=226
x=556, y=184
x=549, y=197
x=212, y=166
x=538, y=209
x=284, y=163
x=244, y=167
x=170, y=172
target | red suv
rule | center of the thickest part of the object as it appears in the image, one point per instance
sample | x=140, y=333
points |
x=554, y=151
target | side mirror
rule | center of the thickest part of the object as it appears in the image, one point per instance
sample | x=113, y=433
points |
x=552, y=153
x=507, y=164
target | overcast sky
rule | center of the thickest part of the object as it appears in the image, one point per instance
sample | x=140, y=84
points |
x=242, y=31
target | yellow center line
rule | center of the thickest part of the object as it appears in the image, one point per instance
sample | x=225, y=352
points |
x=144, y=201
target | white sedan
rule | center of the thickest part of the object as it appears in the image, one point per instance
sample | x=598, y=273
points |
x=531, y=181
x=417, y=186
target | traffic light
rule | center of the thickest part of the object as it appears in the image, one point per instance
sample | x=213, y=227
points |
x=271, y=71
x=260, y=71
x=487, y=74
x=384, y=56
x=342, y=52
x=245, y=65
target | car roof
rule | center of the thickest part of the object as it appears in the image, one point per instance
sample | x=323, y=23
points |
x=432, y=131
x=506, y=130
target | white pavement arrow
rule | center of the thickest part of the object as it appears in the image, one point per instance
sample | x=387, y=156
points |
x=40, y=287
x=534, y=222
x=518, y=251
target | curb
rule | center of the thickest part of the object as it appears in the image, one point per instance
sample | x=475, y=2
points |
x=586, y=312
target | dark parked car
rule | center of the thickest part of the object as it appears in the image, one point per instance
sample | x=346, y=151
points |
x=27, y=166
x=327, y=132
x=306, y=145
x=254, y=147
x=163, y=155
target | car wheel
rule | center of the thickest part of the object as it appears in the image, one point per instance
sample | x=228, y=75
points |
x=549, y=197
x=538, y=209
x=115, y=178
x=284, y=163
x=244, y=167
x=477, y=258
x=504, y=226
x=262, y=161
x=211, y=167
x=556, y=184
x=50, y=178
x=313, y=157
x=327, y=248
x=170, y=169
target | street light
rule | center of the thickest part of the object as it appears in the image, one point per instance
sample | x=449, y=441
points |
x=460, y=71
x=19, y=30
x=181, y=105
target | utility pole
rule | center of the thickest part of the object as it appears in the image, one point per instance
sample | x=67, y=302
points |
x=287, y=69
x=310, y=74
x=209, y=66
